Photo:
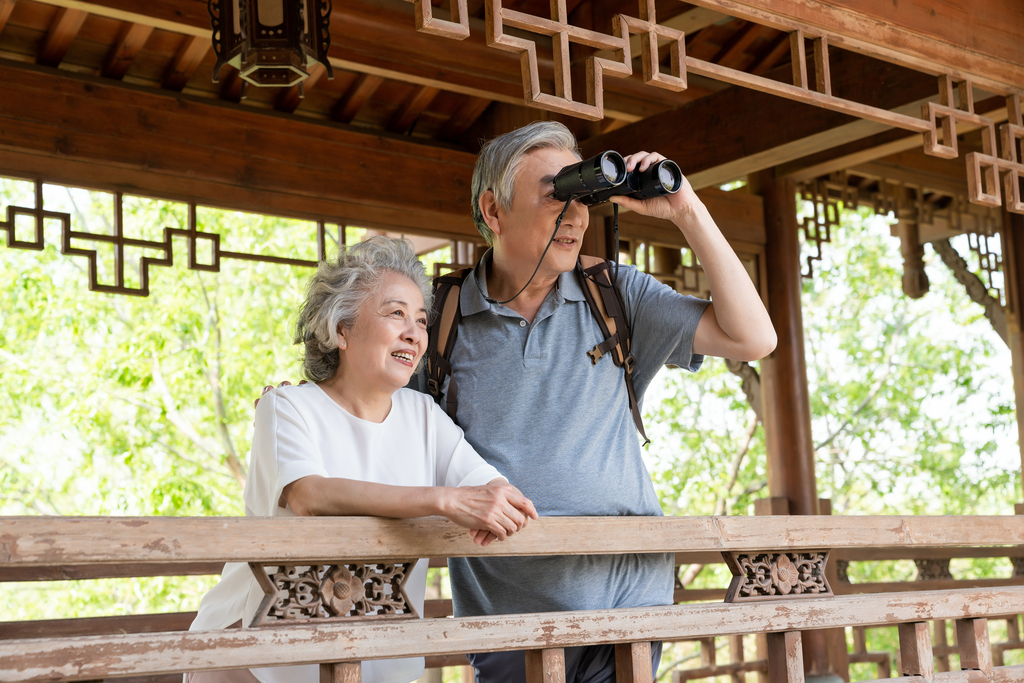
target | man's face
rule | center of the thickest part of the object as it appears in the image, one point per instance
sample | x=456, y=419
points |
x=526, y=227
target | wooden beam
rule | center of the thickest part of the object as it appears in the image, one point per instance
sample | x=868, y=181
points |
x=980, y=40
x=877, y=146
x=203, y=150
x=1012, y=240
x=410, y=110
x=63, y=29
x=96, y=657
x=190, y=55
x=736, y=132
x=291, y=98
x=358, y=94
x=129, y=43
x=6, y=7
x=45, y=541
x=96, y=626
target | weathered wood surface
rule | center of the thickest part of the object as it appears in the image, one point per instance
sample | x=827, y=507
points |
x=110, y=656
x=42, y=541
x=79, y=572
x=981, y=37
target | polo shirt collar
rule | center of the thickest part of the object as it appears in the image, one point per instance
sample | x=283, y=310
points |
x=471, y=298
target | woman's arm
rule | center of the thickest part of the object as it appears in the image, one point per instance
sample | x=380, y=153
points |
x=496, y=510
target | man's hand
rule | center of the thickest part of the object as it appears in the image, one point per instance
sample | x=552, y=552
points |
x=267, y=388
x=669, y=206
x=494, y=511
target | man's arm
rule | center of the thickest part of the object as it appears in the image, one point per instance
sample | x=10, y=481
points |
x=736, y=325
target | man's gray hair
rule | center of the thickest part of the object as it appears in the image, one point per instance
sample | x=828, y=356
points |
x=500, y=160
x=340, y=288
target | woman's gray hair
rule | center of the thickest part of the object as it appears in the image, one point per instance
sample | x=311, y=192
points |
x=500, y=160
x=340, y=288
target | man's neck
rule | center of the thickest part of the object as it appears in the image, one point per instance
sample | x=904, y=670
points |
x=504, y=282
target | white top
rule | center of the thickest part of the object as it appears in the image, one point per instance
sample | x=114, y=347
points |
x=301, y=431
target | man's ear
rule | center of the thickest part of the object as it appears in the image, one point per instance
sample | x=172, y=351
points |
x=489, y=209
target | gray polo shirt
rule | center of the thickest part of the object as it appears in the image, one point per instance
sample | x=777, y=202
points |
x=559, y=427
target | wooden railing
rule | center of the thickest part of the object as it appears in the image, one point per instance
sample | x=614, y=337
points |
x=766, y=544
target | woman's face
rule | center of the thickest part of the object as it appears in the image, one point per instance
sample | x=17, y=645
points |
x=389, y=336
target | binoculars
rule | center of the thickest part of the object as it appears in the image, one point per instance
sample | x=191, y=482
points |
x=603, y=176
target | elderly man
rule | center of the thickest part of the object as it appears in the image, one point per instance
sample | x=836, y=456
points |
x=534, y=405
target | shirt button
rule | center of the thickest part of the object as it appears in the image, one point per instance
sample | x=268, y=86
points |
x=522, y=323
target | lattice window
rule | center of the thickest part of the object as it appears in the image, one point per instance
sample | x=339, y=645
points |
x=123, y=236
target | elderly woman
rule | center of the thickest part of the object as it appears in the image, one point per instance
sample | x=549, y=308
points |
x=354, y=441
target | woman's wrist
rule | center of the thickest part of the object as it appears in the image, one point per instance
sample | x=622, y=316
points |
x=441, y=500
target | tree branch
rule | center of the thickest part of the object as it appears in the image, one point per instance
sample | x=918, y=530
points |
x=751, y=384
x=976, y=289
x=213, y=377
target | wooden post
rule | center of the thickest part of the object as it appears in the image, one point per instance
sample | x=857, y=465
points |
x=1013, y=271
x=975, y=649
x=787, y=406
x=785, y=397
x=785, y=658
x=916, y=650
x=341, y=672
x=633, y=663
x=545, y=666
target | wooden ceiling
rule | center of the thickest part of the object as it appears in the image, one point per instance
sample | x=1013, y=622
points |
x=173, y=53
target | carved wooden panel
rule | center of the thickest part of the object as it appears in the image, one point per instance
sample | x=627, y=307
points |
x=332, y=592
x=773, y=576
x=825, y=198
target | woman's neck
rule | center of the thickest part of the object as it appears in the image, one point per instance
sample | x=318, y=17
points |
x=355, y=396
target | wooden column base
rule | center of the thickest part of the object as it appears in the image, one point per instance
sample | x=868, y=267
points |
x=341, y=672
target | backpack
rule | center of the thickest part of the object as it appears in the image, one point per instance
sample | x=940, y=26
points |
x=605, y=304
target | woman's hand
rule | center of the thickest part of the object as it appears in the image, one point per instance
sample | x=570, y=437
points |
x=494, y=511
x=669, y=206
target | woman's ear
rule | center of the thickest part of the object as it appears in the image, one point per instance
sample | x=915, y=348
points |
x=489, y=209
x=342, y=341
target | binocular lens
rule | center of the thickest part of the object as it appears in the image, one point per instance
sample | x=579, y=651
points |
x=613, y=167
x=600, y=172
x=670, y=177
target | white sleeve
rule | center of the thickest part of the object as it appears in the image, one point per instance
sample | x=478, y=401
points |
x=282, y=452
x=458, y=463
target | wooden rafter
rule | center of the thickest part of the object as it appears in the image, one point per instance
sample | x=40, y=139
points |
x=129, y=43
x=406, y=116
x=731, y=53
x=190, y=55
x=65, y=26
x=231, y=84
x=778, y=49
x=464, y=117
x=358, y=94
x=6, y=7
x=290, y=99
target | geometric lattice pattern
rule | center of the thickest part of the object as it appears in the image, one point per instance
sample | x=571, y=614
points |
x=119, y=241
x=994, y=171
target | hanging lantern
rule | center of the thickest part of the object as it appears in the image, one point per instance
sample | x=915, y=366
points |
x=272, y=43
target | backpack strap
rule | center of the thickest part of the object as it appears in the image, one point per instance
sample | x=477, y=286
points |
x=606, y=305
x=445, y=315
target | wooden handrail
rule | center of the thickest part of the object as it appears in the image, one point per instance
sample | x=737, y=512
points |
x=93, y=657
x=49, y=541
